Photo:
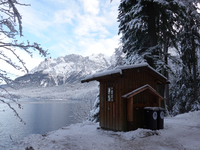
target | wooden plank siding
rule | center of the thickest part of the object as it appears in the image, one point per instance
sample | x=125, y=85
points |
x=127, y=114
x=118, y=102
x=102, y=104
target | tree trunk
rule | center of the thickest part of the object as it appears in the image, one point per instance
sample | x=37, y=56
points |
x=195, y=81
x=194, y=70
x=151, y=30
x=166, y=74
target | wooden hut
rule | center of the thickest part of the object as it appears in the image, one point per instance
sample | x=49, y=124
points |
x=124, y=92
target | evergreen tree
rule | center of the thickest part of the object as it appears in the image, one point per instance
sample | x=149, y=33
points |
x=182, y=94
x=119, y=57
x=135, y=58
x=185, y=93
x=149, y=27
x=191, y=42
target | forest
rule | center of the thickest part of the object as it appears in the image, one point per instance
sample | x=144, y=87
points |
x=165, y=34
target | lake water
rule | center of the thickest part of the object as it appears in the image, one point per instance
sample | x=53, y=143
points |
x=40, y=117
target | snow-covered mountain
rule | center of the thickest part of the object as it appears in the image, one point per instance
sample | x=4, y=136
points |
x=69, y=69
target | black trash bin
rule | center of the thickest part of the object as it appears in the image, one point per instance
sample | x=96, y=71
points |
x=150, y=114
x=160, y=119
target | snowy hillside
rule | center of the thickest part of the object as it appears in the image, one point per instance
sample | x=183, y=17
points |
x=69, y=69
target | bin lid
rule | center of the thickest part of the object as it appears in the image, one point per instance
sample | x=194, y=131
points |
x=160, y=108
x=154, y=108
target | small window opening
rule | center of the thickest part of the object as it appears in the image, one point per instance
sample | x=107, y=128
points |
x=110, y=94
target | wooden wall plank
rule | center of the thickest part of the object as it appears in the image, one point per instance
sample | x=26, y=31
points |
x=101, y=105
x=118, y=96
x=114, y=115
x=105, y=108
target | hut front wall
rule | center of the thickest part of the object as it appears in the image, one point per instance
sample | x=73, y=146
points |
x=113, y=115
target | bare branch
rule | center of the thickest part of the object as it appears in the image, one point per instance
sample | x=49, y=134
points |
x=10, y=27
x=16, y=15
x=9, y=47
x=13, y=98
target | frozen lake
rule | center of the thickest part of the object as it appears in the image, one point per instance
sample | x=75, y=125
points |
x=40, y=117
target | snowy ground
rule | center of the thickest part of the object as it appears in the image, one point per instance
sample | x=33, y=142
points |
x=181, y=132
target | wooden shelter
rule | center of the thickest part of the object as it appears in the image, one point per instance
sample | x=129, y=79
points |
x=124, y=92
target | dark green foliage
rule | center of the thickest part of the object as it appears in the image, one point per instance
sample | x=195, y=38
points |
x=150, y=27
x=119, y=58
x=182, y=94
x=190, y=38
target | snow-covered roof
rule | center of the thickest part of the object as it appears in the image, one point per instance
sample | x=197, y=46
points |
x=117, y=70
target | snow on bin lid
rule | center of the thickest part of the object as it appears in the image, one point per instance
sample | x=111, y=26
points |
x=160, y=108
x=116, y=70
x=154, y=108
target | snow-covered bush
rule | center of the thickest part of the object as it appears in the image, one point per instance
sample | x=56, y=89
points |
x=182, y=95
x=94, y=113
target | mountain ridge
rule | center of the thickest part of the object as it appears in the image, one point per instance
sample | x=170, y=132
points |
x=67, y=69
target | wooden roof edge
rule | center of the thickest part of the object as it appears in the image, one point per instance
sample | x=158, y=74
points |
x=157, y=72
x=136, y=90
x=139, y=90
x=99, y=75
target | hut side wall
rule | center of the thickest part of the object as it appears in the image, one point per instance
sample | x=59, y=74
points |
x=110, y=110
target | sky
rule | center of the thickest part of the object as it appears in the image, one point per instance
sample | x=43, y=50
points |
x=65, y=27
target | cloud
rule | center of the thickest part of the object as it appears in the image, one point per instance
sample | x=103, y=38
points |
x=63, y=16
x=86, y=47
x=33, y=18
x=106, y=46
x=98, y=25
x=91, y=6
x=96, y=33
x=73, y=26
x=89, y=25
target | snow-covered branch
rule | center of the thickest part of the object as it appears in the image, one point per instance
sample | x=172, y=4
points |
x=10, y=28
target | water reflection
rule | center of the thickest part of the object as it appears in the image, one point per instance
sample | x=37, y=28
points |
x=40, y=117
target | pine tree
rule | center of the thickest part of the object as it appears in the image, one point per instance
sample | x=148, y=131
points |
x=119, y=57
x=149, y=27
x=182, y=94
x=187, y=98
x=191, y=42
